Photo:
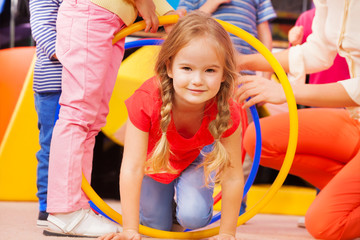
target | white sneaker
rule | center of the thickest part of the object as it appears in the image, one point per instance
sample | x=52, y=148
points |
x=81, y=223
x=301, y=222
x=42, y=219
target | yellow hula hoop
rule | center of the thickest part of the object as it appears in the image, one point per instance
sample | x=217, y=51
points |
x=288, y=157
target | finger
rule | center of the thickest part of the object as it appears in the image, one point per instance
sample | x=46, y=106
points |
x=148, y=25
x=154, y=24
x=252, y=101
x=181, y=12
x=246, y=91
x=247, y=79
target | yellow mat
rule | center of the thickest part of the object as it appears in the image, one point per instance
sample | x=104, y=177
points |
x=290, y=200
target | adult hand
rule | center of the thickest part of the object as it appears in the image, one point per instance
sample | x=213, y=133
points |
x=146, y=10
x=259, y=90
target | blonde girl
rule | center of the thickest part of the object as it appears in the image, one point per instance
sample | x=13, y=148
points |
x=183, y=135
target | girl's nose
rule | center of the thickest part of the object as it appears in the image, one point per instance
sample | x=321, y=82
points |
x=196, y=79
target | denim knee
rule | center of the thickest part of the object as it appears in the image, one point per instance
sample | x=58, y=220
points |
x=194, y=215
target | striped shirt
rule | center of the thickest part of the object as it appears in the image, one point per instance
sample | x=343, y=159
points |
x=47, y=72
x=245, y=14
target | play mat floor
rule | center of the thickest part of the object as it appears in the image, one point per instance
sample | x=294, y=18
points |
x=18, y=221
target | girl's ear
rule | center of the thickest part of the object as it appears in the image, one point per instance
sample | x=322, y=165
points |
x=168, y=69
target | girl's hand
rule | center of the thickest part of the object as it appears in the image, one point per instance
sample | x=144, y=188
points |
x=146, y=10
x=223, y=236
x=125, y=235
x=260, y=90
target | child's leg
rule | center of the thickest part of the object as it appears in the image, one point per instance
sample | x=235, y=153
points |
x=156, y=204
x=194, y=200
x=45, y=105
x=115, y=56
x=84, y=47
x=328, y=139
x=335, y=212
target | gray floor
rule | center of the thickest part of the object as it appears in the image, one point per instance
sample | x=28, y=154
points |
x=18, y=222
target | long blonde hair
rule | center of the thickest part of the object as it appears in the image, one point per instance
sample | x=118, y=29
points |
x=195, y=24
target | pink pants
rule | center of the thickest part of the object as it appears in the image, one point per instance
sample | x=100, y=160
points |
x=90, y=65
x=327, y=156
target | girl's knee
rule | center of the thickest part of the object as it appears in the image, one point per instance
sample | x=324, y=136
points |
x=194, y=217
x=156, y=221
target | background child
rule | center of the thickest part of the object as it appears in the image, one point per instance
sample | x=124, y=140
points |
x=47, y=88
x=328, y=153
x=90, y=64
x=184, y=133
x=249, y=15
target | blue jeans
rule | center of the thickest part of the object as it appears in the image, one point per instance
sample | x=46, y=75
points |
x=46, y=107
x=194, y=200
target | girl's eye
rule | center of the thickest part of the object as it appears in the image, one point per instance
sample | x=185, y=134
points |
x=186, y=68
x=210, y=70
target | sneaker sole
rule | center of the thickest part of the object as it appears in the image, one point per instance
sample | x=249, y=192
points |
x=57, y=234
x=42, y=223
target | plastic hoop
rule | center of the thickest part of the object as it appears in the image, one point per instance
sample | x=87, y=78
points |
x=256, y=162
x=255, y=116
x=290, y=153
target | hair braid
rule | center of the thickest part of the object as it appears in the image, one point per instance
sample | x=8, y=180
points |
x=159, y=160
x=218, y=158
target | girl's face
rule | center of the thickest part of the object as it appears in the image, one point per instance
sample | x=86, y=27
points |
x=197, y=72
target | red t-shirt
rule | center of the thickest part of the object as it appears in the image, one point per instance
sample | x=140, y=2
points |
x=144, y=112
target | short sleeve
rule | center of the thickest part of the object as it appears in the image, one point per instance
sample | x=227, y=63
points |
x=140, y=109
x=265, y=11
x=352, y=87
x=235, y=118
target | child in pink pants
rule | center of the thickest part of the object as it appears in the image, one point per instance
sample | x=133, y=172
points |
x=90, y=62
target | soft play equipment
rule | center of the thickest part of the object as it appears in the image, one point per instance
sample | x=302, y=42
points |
x=18, y=120
x=18, y=125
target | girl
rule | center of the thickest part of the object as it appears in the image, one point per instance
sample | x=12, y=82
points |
x=183, y=135
x=328, y=151
x=85, y=30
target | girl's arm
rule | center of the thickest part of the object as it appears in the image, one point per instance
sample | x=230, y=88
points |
x=232, y=187
x=131, y=175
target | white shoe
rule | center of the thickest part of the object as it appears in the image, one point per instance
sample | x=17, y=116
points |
x=301, y=222
x=81, y=223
